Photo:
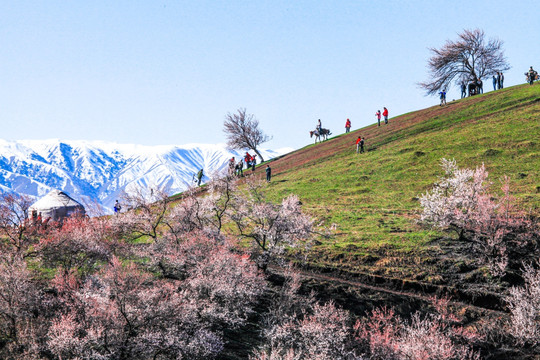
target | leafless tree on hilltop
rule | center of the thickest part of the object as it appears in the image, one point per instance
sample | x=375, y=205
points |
x=468, y=58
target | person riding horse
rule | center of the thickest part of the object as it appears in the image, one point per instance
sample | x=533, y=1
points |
x=318, y=134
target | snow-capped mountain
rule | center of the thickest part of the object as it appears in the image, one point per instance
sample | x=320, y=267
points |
x=98, y=172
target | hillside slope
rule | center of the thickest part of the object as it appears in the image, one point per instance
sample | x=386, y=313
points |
x=371, y=199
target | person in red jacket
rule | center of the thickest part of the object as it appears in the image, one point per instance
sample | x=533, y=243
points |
x=385, y=114
x=347, y=126
x=360, y=144
x=378, y=115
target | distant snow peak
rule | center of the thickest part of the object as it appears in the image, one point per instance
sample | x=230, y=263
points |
x=99, y=172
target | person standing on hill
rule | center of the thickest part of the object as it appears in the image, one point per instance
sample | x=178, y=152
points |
x=495, y=82
x=240, y=167
x=347, y=126
x=232, y=164
x=268, y=173
x=378, y=115
x=247, y=159
x=117, y=207
x=253, y=162
x=385, y=114
x=443, y=97
x=463, y=89
x=199, y=177
x=499, y=80
x=360, y=145
x=502, y=80
x=479, y=87
x=532, y=76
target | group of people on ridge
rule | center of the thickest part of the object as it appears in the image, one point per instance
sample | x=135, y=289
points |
x=384, y=113
x=237, y=168
x=498, y=81
x=361, y=140
x=476, y=86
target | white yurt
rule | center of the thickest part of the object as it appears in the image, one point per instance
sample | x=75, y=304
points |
x=55, y=206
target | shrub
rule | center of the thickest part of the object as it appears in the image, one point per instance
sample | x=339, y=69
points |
x=297, y=327
x=461, y=201
x=524, y=304
x=271, y=227
x=384, y=335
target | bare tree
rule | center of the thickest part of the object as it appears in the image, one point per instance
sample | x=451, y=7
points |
x=14, y=223
x=243, y=131
x=470, y=57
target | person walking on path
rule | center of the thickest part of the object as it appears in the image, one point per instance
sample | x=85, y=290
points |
x=495, y=82
x=199, y=177
x=117, y=207
x=443, y=97
x=385, y=114
x=347, y=126
x=463, y=89
x=378, y=115
x=268, y=173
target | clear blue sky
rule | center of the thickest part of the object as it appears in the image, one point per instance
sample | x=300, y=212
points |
x=167, y=72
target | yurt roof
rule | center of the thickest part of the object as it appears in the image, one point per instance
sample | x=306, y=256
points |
x=55, y=199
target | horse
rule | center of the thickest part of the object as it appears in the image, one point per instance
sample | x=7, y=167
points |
x=322, y=134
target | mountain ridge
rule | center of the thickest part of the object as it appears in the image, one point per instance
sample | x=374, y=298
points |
x=99, y=171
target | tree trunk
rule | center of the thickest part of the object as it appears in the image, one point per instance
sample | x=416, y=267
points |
x=259, y=155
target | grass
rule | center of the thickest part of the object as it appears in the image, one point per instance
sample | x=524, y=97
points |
x=371, y=199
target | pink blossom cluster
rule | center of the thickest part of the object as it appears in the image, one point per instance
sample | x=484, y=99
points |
x=463, y=202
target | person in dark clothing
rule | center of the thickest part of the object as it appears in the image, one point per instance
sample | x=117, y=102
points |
x=239, y=168
x=463, y=89
x=199, y=177
x=495, y=82
x=253, y=163
x=531, y=76
x=499, y=75
x=479, y=87
x=473, y=87
x=117, y=207
x=442, y=97
x=268, y=173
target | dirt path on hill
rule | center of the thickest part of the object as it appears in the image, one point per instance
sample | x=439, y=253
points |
x=413, y=299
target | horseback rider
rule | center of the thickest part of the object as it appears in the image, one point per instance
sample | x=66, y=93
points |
x=319, y=126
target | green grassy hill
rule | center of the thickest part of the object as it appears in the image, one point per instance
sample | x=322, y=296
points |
x=371, y=199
